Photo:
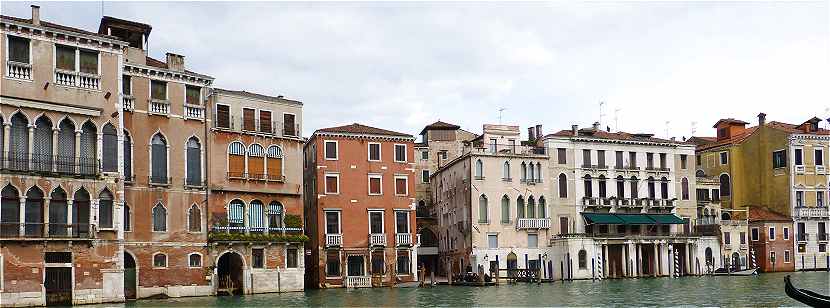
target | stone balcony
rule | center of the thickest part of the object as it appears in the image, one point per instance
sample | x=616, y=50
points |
x=533, y=223
x=811, y=212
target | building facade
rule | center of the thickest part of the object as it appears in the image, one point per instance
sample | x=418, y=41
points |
x=361, y=235
x=771, y=233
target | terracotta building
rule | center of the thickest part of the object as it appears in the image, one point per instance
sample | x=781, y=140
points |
x=359, y=183
x=771, y=235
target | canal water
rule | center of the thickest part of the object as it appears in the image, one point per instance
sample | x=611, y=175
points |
x=763, y=290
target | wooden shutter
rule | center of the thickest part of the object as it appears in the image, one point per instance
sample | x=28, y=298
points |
x=65, y=58
x=128, y=157
x=18, y=49
x=256, y=166
x=248, y=119
x=374, y=185
x=223, y=116
x=331, y=184
x=400, y=186
x=89, y=141
x=89, y=62
x=42, y=146
x=110, y=150
x=192, y=95
x=288, y=125
x=194, y=163
x=274, y=168
x=265, y=122
x=158, y=89
x=236, y=165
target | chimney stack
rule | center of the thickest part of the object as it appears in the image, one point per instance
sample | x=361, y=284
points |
x=538, y=131
x=531, y=133
x=575, y=130
x=596, y=125
x=175, y=62
x=36, y=15
x=762, y=118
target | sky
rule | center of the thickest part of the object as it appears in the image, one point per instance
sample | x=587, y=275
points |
x=668, y=68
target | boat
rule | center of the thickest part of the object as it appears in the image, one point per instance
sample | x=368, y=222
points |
x=726, y=272
x=805, y=296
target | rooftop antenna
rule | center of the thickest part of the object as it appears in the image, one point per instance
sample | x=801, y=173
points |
x=102, y=8
x=667, y=129
x=601, y=104
x=694, y=128
x=501, y=109
x=617, y=119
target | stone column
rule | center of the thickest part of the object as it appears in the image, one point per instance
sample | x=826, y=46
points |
x=7, y=129
x=69, y=215
x=656, y=259
x=22, y=215
x=77, y=158
x=639, y=263
x=31, y=145
x=46, y=202
x=605, y=268
x=55, y=132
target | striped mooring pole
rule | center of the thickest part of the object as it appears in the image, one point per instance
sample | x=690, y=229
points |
x=676, y=264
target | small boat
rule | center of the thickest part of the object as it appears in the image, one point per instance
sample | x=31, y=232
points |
x=805, y=296
x=725, y=272
x=411, y=284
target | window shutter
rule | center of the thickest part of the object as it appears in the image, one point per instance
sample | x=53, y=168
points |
x=66, y=147
x=128, y=157
x=158, y=90
x=194, y=163
x=374, y=185
x=331, y=184
x=126, y=85
x=89, y=142
x=223, y=116
x=265, y=122
x=110, y=150
x=89, y=62
x=159, y=163
x=19, y=143
x=256, y=216
x=105, y=212
x=58, y=213
x=288, y=125
x=400, y=186
x=42, y=147
x=248, y=120
x=18, y=49
x=128, y=226
x=192, y=96
x=65, y=58
x=159, y=218
x=195, y=219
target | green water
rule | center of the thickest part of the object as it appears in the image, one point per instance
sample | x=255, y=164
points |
x=763, y=290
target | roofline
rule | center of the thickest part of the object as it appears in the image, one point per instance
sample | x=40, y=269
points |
x=344, y=134
x=609, y=140
x=272, y=99
x=108, y=38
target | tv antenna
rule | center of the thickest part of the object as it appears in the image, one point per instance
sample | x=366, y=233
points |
x=694, y=128
x=501, y=110
x=601, y=104
x=617, y=119
x=667, y=129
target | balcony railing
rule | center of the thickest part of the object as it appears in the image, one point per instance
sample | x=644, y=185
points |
x=358, y=281
x=129, y=102
x=77, y=79
x=15, y=230
x=403, y=239
x=533, y=223
x=237, y=124
x=50, y=165
x=334, y=240
x=255, y=177
x=239, y=228
x=822, y=237
x=509, y=150
x=196, y=112
x=159, y=107
x=377, y=239
x=811, y=212
x=19, y=70
x=802, y=237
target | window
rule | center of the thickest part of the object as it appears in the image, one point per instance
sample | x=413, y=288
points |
x=532, y=241
x=105, y=210
x=158, y=90
x=265, y=125
x=65, y=58
x=520, y=208
x=42, y=145
x=236, y=160
x=799, y=198
x=786, y=256
x=194, y=219
x=88, y=149
x=223, y=116
x=332, y=184
x=332, y=263
x=819, y=199
x=821, y=248
x=786, y=233
x=160, y=260
x=586, y=158
x=725, y=186
x=697, y=160
x=505, y=209
x=479, y=170
x=249, y=119
x=664, y=188
x=375, y=222
x=159, y=218
x=493, y=147
x=563, y=225
x=620, y=187
x=159, y=160
x=583, y=259
x=771, y=233
x=401, y=186
x=651, y=188
x=128, y=224
x=684, y=188
x=10, y=211
x=618, y=159
x=333, y=222
x=602, y=186
x=375, y=185
x=258, y=257
x=403, y=262
x=772, y=257
x=193, y=95
x=442, y=154
x=727, y=238
x=256, y=216
x=561, y=156
x=492, y=241
x=290, y=128
x=663, y=161
x=819, y=157
x=524, y=172
x=754, y=234
x=538, y=172
x=743, y=238
x=194, y=162
x=632, y=160
x=601, y=158
x=275, y=215
x=374, y=151
x=563, y=186
x=483, y=211
x=18, y=50
x=194, y=260
x=634, y=191
x=402, y=222
x=683, y=160
x=425, y=155
x=331, y=150
x=505, y=172
x=89, y=61
x=724, y=158
x=799, y=157
x=110, y=148
x=543, y=210
x=588, y=187
x=400, y=153
x=274, y=163
x=779, y=159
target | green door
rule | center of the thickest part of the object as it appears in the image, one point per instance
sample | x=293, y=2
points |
x=129, y=283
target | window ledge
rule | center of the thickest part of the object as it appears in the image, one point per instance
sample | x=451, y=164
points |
x=18, y=79
x=107, y=229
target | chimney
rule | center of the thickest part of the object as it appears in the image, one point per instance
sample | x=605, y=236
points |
x=531, y=133
x=575, y=130
x=36, y=15
x=175, y=62
x=762, y=118
x=538, y=131
x=596, y=125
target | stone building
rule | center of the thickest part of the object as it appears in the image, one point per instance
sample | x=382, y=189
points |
x=361, y=235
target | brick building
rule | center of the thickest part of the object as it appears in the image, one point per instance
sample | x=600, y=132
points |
x=360, y=207
x=771, y=237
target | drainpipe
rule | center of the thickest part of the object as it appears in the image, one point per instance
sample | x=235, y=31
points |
x=208, y=141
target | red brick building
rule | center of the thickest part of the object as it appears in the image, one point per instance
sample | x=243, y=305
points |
x=771, y=239
x=360, y=207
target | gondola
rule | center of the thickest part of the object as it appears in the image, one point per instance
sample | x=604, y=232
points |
x=727, y=272
x=805, y=296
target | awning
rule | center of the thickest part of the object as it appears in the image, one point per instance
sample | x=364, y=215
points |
x=603, y=218
x=666, y=219
x=636, y=219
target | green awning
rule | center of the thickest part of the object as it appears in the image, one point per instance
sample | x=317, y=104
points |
x=636, y=219
x=666, y=219
x=603, y=218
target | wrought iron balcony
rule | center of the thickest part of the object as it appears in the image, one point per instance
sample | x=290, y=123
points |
x=377, y=239
x=45, y=231
x=533, y=223
x=49, y=165
x=334, y=240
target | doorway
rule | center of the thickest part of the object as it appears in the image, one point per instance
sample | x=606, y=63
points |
x=229, y=272
x=58, y=285
x=130, y=277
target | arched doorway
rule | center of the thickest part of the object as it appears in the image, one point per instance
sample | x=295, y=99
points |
x=130, y=277
x=512, y=261
x=736, y=262
x=229, y=272
x=428, y=252
x=710, y=260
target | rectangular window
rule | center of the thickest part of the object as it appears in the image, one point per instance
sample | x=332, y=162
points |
x=493, y=147
x=401, y=186
x=376, y=222
x=442, y=154
x=632, y=160
x=249, y=119
x=223, y=116
x=727, y=238
x=697, y=160
x=683, y=159
x=786, y=256
x=779, y=159
x=586, y=158
x=333, y=222
x=602, y=188
x=331, y=150
x=663, y=161
x=289, y=127
x=601, y=158
x=512, y=144
x=754, y=234
x=799, y=157
x=563, y=225
x=18, y=49
x=332, y=184
x=158, y=90
x=400, y=153
x=333, y=263
x=378, y=265
x=89, y=61
x=786, y=233
x=532, y=241
x=127, y=85
x=258, y=257
x=618, y=155
x=561, y=156
x=193, y=95
x=743, y=238
x=425, y=155
x=799, y=198
x=650, y=160
x=265, y=125
x=65, y=58
x=772, y=257
x=403, y=262
x=724, y=158
x=424, y=176
x=820, y=199
x=402, y=222
x=819, y=157
x=291, y=257
x=771, y=233
x=492, y=241
x=821, y=248
x=375, y=185
x=374, y=151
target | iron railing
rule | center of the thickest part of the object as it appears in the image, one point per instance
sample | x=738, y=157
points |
x=17, y=230
x=50, y=164
x=238, y=124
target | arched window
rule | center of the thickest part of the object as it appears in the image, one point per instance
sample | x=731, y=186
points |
x=684, y=188
x=539, y=172
x=620, y=187
x=634, y=191
x=89, y=149
x=236, y=216
x=524, y=172
x=109, y=141
x=531, y=207
x=505, y=172
x=479, y=169
x=603, y=186
x=532, y=172
x=19, y=143
x=275, y=215
x=80, y=213
x=159, y=260
x=194, y=260
x=159, y=218
x=256, y=161
x=34, y=212
x=583, y=259
x=520, y=207
x=66, y=147
x=563, y=186
x=256, y=216
x=543, y=211
x=274, y=163
x=58, y=213
x=236, y=160
x=194, y=162
x=725, y=186
x=505, y=209
x=194, y=219
x=483, y=210
x=651, y=188
x=589, y=186
x=128, y=223
x=159, y=159
x=128, y=157
x=664, y=188
x=42, y=145
x=105, y=209
x=10, y=211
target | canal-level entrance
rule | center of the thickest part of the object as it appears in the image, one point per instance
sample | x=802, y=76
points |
x=229, y=271
x=130, y=277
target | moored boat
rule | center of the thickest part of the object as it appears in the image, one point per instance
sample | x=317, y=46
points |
x=725, y=272
x=805, y=296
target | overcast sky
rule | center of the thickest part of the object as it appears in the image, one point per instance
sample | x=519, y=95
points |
x=401, y=66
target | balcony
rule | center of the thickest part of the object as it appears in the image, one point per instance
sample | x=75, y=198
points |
x=377, y=239
x=159, y=107
x=46, y=231
x=128, y=103
x=802, y=237
x=195, y=112
x=403, y=239
x=244, y=176
x=49, y=165
x=77, y=79
x=271, y=128
x=822, y=237
x=358, y=281
x=533, y=223
x=811, y=212
x=820, y=169
x=510, y=150
x=334, y=240
x=19, y=70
